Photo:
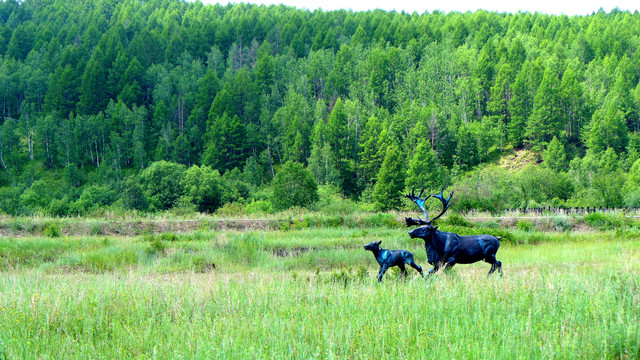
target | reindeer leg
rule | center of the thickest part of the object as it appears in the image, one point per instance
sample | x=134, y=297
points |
x=383, y=269
x=450, y=263
x=433, y=270
x=495, y=264
x=404, y=272
x=417, y=267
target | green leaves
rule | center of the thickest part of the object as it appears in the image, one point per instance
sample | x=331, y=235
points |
x=293, y=185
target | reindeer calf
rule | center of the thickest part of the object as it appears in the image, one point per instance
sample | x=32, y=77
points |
x=389, y=258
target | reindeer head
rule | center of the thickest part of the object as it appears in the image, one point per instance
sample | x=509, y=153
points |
x=373, y=246
x=425, y=232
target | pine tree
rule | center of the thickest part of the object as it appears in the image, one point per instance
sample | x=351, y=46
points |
x=545, y=122
x=423, y=169
x=390, y=181
x=555, y=157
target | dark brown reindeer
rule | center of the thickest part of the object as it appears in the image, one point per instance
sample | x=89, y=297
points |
x=445, y=248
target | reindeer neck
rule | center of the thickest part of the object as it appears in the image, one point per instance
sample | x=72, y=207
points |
x=377, y=253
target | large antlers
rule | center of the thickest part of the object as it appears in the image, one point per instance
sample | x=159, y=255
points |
x=420, y=202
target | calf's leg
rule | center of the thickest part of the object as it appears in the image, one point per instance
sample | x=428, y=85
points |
x=404, y=272
x=417, y=267
x=383, y=269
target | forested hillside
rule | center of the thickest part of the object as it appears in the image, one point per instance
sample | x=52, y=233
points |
x=161, y=104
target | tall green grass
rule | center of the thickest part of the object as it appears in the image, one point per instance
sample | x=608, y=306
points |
x=311, y=293
x=532, y=312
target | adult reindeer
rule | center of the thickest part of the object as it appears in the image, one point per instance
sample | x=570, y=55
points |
x=450, y=248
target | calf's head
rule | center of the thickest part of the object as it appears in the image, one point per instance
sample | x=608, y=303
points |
x=373, y=246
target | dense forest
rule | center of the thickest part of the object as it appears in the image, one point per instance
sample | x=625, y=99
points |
x=166, y=104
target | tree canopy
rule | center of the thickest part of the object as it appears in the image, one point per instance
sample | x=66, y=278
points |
x=100, y=94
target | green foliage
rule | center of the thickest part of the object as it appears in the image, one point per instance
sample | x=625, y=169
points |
x=423, y=170
x=95, y=99
x=51, y=230
x=203, y=187
x=524, y=225
x=555, y=156
x=258, y=207
x=161, y=183
x=132, y=195
x=94, y=197
x=293, y=185
x=455, y=219
x=231, y=209
x=391, y=178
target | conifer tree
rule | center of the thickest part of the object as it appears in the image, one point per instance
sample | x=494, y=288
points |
x=390, y=181
x=555, y=157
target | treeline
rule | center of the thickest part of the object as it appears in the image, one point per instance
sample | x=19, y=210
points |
x=96, y=94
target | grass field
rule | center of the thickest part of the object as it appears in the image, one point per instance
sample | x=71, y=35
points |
x=311, y=293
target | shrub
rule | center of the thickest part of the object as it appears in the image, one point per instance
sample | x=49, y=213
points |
x=231, y=209
x=161, y=183
x=258, y=207
x=132, y=196
x=183, y=207
x=94, y=197
x=456, y=219
x=524, y=225
x=382, y=220
x=168, y=236
x=293, y=185
x=604, y=221
x=204, y=188
x=51, y=230
x=156, y=246
x=562, y=223
x=596, y=219
x=59, y=207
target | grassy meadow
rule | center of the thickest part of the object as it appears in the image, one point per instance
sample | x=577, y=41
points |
x=311, y=293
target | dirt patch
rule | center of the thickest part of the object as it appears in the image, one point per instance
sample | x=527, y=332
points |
x=291, y=252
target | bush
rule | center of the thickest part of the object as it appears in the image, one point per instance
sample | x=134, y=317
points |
x=562, y=223
x=168, y=236
x=331, y=201
x=59, y=207
x=524, y=225
x=231, y=209
x=603, y=221
x=293, y=185
x=51, y=230
x=161, y=183
x=183, y=207
x=258, y=207
x=632, y=199
x=156, y=245
x=456, y=219
x=203, y=186
x=383, y=220
x=94, y=197
x=9, y=199
x=36, y=197
x=132, y=196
